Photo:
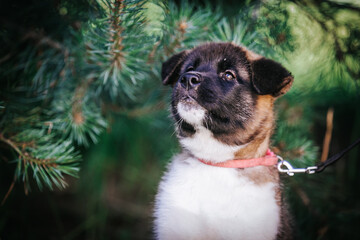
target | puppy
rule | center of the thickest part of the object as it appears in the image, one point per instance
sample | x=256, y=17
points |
x=222, y=103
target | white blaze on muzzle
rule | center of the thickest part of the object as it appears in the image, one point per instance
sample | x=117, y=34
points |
x=191, y=112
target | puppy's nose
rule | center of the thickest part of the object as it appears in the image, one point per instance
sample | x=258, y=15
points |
x=190, y=80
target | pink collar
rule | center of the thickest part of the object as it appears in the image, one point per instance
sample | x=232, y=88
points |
x=269, y=159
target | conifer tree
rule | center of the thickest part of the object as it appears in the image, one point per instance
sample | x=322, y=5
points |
x=59, y=90
x=56, y=91
x=68, y=68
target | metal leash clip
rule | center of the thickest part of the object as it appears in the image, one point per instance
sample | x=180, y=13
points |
x=291, y=171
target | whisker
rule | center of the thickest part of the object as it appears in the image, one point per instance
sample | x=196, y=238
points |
x=177, y=125
x=206, y=121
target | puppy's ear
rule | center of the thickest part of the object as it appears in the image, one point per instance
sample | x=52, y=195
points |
x=171, y=68
x=269, y=77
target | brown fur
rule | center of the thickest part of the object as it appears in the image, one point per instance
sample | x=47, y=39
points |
x=251, y=56
x=257, y=133
x=261, y=176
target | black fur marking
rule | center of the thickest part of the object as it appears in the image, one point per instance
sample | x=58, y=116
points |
x=185, y=129
x=226, y=86
x=226, y=64
x=171, y=68
x=269, y=76
x=230, y=104
x=196, y=63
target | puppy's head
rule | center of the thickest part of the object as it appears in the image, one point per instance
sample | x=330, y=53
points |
x=225, y=89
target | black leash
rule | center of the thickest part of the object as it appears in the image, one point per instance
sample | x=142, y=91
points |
x=334, y=158
x=314, y=169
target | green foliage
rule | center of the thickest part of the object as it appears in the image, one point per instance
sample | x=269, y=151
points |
x=237, y=33
x=113, y=46
x=46, y=159
x=63, y=84
x=78, y=73
x=186, y=27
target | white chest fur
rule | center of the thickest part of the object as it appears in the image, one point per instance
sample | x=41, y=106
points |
x=197, y=201
x=202, y=144
x=205, y=146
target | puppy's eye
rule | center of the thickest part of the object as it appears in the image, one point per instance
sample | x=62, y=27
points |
x=191, y=68
x=229, y=75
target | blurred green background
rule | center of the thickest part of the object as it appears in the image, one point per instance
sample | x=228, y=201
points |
x=81, y=95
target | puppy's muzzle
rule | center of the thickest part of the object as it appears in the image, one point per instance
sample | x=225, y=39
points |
x=190, y=80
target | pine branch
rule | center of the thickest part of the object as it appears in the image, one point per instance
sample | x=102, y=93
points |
x=80, y=91
x=11, y=144
x=116, y=30
x=48, y=161
x=185, y=26
x=240, y=33
x=114, y=46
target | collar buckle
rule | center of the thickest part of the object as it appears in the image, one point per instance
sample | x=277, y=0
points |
x=290, y=170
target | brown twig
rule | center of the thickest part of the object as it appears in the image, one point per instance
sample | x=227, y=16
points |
x=25, y=155
x=25, y=159
x=151, y=57
x=179, y=38
x=8, y=193
x=115, y=34
x=11, y=144
x=328, y=134
x=51, y=125
x=80, y=91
